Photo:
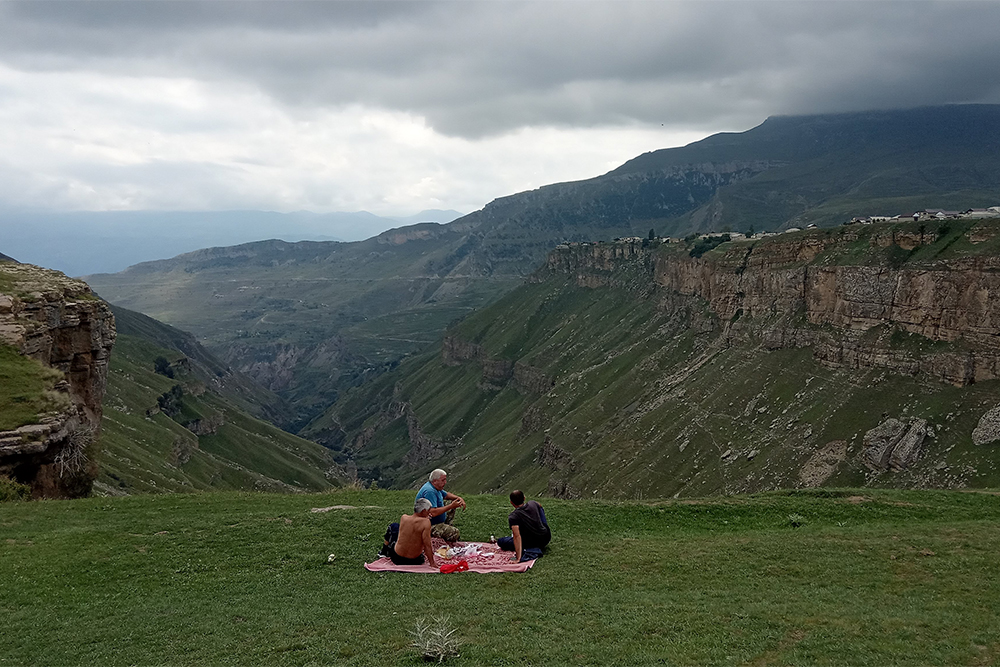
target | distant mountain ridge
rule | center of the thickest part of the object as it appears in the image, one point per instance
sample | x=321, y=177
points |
x=85, y=242
x=311, y=319
x=788, y=171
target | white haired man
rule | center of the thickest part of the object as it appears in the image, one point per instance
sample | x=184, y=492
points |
x=442, y=512
x=409, y=541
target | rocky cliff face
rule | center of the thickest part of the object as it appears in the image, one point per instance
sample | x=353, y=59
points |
x=781, y=290
x=496, y=373
x=59, y=322
x=860, y=297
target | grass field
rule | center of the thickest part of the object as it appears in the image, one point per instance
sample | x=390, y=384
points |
x=869, y=577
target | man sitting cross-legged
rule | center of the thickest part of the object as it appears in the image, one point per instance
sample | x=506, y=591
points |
x=409, y=541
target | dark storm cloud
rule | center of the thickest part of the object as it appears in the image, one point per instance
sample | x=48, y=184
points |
x=481, y=68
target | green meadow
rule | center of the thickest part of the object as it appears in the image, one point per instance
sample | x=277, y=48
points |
x=823, y=577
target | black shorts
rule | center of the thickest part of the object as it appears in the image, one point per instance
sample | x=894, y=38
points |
x=400, y=560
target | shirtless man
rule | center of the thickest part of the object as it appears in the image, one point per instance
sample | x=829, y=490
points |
x=414, y=541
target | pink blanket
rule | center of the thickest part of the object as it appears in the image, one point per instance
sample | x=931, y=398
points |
x=481, y=557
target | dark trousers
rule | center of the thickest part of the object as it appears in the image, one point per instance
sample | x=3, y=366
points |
x=389, y=548
x=402, y=560
x=507, y=544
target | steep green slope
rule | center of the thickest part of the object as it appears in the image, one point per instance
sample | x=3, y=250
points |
x=234, y=386
x=599, y=380
x=309, y=320
x=191, y=431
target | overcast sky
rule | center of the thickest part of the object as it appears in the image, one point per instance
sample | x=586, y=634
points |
x=396, y=107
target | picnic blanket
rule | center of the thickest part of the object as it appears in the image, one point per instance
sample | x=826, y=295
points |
x=481, y=557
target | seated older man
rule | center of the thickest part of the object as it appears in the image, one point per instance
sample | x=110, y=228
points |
x=409, y=541
x=441, y=514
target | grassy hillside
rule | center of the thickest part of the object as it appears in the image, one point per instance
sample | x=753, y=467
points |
x=25, y=389
x=833, y=577
x=236, y=387
x=190, y=431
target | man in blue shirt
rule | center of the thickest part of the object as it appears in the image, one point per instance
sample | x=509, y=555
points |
x=441, y=512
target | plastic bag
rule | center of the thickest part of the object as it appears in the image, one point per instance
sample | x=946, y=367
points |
x=460, y=566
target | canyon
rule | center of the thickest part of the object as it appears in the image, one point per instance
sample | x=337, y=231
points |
x=842, y=356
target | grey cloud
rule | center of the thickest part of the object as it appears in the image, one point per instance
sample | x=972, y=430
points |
x=482, y=68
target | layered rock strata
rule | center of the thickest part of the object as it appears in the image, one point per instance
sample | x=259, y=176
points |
x=62, y=324
x=787, y=292
x=894, y=445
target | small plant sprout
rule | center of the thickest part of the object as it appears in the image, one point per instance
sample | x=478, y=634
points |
x=435, y=640
x=796, y=520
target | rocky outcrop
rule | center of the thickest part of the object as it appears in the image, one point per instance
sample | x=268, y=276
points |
x=62, y=324
x=455, y=351
x=396, y=410
x=821, y=465
x=423, y=448
x=776, y=289
x=625, y=264
x=278, y=366
x=554, y=457
x=533, y=419
x=530, y=380
x=987, y=431
x=496, y=373
x=893, y=444
x=206, y=425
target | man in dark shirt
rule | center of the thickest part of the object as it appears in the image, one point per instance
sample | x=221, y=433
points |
x=529, y=527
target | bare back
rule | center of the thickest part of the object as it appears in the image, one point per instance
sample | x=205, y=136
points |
x=414, y=537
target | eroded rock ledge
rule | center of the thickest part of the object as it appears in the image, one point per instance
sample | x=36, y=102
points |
x=496, y=373
x=58, y=321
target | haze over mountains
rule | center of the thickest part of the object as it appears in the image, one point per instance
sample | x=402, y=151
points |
x=83, y=242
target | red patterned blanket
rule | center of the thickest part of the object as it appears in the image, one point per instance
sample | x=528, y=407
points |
x=481, y=557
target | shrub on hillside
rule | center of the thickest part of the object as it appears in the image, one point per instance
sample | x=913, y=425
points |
x=706, y=244
x=162, y=366
x=11, y=491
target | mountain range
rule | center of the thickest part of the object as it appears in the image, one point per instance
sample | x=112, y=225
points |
x=311, y=319
x=84, y=242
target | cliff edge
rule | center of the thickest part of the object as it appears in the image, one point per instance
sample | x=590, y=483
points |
x=56, y=336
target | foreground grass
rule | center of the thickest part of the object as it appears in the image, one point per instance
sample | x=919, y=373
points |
x=223, y=578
